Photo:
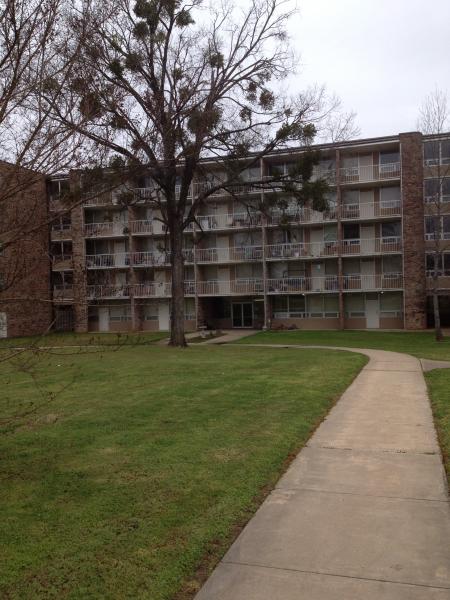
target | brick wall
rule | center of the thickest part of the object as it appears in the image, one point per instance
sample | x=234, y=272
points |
x=413, y=231
x=24, y=264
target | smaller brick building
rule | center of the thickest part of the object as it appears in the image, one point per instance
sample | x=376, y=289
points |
x=25, y=297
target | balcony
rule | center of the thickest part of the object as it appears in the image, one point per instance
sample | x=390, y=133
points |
x=230, y=288
x=62, y=262
x=370, y=210
x=61, y=233
x=143, y=227
x=443, y=281
x=63, y=293
x=237, y=189
x=160, y=289
x=229, y=221
x=108, y=261
x=107, y=229
x=229, y=255
x=368, y=173
x=301, y=215
x=111, y=291
x=368, y=246
x=158, y=258
x=296, y=285
x=384, y=281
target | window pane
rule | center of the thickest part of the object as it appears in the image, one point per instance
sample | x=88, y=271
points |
x=387, y=158
x=431, y=189
x=280, y=304
x=430, y=224
x=391, y=229
x=390, y=193
x=350, y=197
x=330, y=233
x=392, y=264
x=296, y=304
x=431, y=152
x=351, y=231
x=446, y=226
x=445, y=152
x=446, y=189
x=390, y=302
x=354, y=303
x=331, y=304
x=430, y=262
x=446, y=260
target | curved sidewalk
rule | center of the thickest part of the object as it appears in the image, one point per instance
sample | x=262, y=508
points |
x=362, y=512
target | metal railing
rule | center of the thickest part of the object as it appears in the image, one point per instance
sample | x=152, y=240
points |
x=369, y=210
x=63, y=291
x=229, y=221
x=370, y=172
x=108, y=228
x=383, y=281
x=230, y=287
x=143, y=226
x=108, y=291
x=385, y=245
x=231, y=254
x=287, y=285
x=102, y=261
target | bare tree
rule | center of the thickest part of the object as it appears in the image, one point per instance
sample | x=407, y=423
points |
x=163, y=84
x=434, y=120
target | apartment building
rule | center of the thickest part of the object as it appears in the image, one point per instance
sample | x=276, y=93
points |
x=362, y=263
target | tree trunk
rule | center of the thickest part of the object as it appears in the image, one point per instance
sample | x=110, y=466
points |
x=177, y=307
x=437, y=316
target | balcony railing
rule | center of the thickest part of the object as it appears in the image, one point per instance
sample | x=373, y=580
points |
x=301, y=215
x=62, y=261
x=144, y=226
x=383, y=281
x=63, y=292
x=226, y=255
x=229, y=221
x=158, y=258
x=106, y=229
x=287, y=251
x=443, y=281
x=385, y=245
x=160, y=289
x=230, y=287
x=106, y=261
x=370, y=210
x=108, y=291
x=292, y=285
x=365, y=173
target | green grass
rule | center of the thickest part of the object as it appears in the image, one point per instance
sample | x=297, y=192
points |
x=123, y=483
x=421, y=344
x=84, y=339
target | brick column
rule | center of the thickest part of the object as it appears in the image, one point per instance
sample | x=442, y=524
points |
x=413, y=230
x=79, y=261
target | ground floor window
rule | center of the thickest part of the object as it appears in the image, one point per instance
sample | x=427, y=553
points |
x=391, y=305
x=300, y=307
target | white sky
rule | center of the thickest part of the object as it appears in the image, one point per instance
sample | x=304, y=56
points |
x=380, y=56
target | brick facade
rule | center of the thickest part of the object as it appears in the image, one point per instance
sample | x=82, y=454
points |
x=25, y=269
x=413, y=231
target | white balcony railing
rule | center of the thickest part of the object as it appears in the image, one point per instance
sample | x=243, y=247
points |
x=160, y=289
x=231, y=254
x=287, y=251
x=106, y=229
x=301, y=215
x=157, y=258
x=106, y=261
x=383, y=281
x=385, y=245
x=229, y=221
x=230, y=287
x=370, y=173
x=288, y=285
x=369, y=210
x=144, y=226
x=108, y=291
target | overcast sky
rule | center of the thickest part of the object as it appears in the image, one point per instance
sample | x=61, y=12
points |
x=380, y=56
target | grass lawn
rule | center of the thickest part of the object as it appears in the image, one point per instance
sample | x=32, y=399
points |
x=123, y=483
x=85, y=339
x=421, y=344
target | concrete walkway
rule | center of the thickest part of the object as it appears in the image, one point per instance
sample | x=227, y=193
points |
x=363, y=511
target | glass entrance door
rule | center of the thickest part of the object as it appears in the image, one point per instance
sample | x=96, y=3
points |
x=242, y=314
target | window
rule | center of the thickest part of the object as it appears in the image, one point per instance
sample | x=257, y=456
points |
x=296, y=305
x=443, y=264
x=354, y=305
x=331, y=306
x=350, y=197
x=431, y=153
x=445, y=152
x=351, y=231
x=390, y=196
x=150, y=312
x=280, y=304
x=391, y=229
x=445, y=189
x=431, y=227
x=436, y=152
x=390, y=304
x=431, y=190
x=446, y=227
x=330, y=233
x=120, y=313
x=392, y=264
x=387, y=158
